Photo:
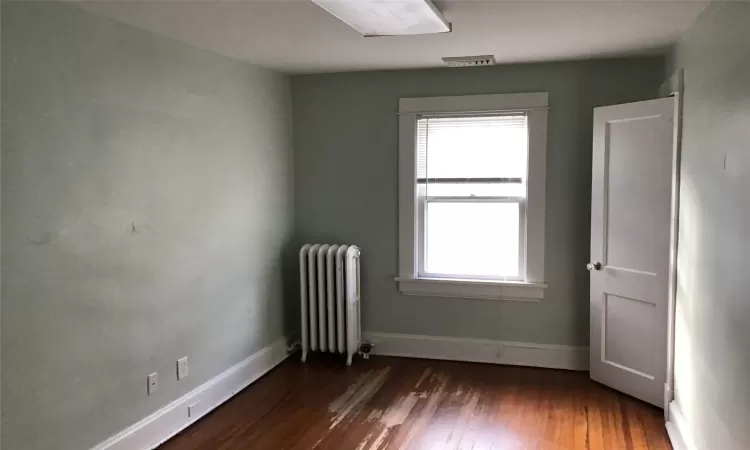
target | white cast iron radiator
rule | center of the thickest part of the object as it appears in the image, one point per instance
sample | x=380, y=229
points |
x=329, y=286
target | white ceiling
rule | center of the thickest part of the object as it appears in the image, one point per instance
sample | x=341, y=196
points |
x=297, y=36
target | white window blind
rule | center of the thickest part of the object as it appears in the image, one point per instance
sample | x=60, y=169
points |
x=471, y=186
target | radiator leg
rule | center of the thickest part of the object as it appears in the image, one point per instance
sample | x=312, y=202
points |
x=349, y=359
x=304, y=355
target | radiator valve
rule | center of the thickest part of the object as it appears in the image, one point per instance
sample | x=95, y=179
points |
x=365, y=350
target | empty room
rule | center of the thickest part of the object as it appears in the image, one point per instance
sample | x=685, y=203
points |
x=374, y=224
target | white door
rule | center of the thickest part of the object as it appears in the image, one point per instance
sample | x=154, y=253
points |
x=630, y=246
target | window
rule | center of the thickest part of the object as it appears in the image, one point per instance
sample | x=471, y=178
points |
x=472, y=196
x=471, y=176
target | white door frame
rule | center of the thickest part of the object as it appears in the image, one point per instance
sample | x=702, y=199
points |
x=674, y=86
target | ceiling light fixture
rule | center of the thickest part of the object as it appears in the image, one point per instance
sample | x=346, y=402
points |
x=388, y=17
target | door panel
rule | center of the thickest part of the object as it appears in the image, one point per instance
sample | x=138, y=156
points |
x=626, y=319
x=630, y=238
x=638, y=186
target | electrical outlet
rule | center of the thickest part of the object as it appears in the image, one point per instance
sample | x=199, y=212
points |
x=182, y=368
x=193, y=409
x=152, y=383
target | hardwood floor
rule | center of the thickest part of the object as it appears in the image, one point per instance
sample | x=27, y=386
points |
x=399, y=403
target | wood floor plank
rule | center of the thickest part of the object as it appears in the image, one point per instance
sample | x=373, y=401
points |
x=411, y=404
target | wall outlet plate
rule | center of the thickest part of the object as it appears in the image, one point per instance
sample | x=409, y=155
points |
x=182, y=368
x=193, y=409
x=152, y=383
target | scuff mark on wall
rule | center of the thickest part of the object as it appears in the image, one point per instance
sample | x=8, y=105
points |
x=44, y=238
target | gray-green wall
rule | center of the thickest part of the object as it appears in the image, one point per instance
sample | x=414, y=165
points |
x=712, y=364
x=346, y=186
x=146, y=199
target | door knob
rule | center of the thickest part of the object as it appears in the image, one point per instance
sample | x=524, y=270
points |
x=594, y=266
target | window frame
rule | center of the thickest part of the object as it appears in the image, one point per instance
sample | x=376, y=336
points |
x=412, y=279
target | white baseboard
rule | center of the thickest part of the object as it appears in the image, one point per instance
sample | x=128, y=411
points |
x=480, y=350
x=678, y=430
x=157, y=428
x=668, y=397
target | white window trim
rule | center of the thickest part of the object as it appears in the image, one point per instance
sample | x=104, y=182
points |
x=535, y=105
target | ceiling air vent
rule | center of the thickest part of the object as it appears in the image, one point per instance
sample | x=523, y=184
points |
x=469, y=61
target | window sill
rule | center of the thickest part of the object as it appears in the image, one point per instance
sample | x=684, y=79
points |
x=477, y=289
